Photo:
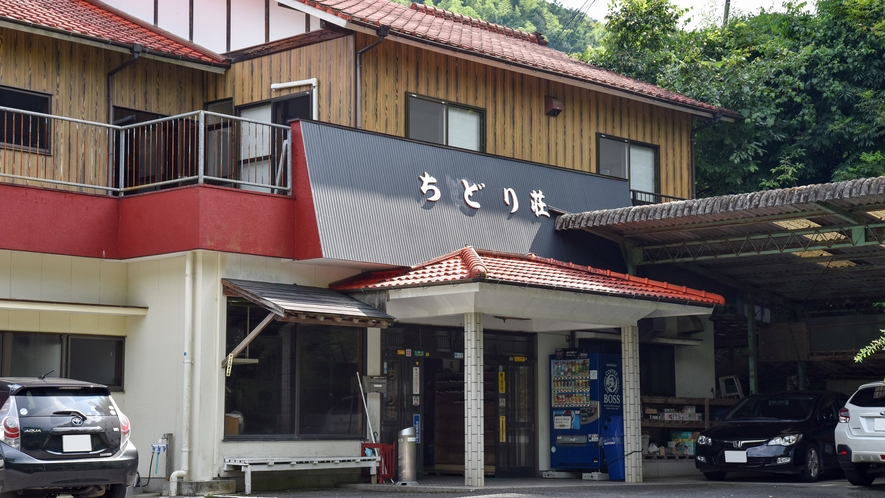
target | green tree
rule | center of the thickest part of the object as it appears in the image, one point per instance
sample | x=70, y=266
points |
x=810, y=86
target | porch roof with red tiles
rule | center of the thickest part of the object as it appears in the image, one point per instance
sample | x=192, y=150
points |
x=93, y=20
x=470, y=265
x=485, y=39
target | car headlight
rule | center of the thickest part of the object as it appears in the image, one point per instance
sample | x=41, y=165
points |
x=704, y=440
x=787, y=440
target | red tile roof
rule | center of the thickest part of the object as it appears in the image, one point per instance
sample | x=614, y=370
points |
x=485, y=39
x=470, y=265
x=97, y=21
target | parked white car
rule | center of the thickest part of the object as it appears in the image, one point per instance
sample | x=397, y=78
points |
x=860, y=434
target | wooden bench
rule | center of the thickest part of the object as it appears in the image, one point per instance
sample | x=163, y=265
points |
x=260, y=464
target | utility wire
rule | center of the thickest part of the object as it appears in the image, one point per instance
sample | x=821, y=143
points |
x=579, y=13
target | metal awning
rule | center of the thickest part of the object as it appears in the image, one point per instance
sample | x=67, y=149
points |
x=302, y=304
x=819, y=245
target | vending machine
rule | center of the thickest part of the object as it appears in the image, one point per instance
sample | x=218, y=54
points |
x=585, y=392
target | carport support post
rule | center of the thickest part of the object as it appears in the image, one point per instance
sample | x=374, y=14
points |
x=751, y=342
x=632, y=415
x=474, y=453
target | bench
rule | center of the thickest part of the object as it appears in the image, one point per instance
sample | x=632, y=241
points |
x=260, y=464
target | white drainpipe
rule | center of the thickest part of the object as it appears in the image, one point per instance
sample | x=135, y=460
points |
x=179, y=475
x=313, y=82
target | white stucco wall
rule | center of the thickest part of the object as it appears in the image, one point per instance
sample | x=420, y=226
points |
x=547, y=345
x=210, y=20
x=695, y=365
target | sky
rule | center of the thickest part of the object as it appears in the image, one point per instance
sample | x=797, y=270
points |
x=701, y=9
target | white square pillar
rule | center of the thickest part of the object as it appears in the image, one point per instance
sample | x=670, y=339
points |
x=632, y=405
x=474, y=453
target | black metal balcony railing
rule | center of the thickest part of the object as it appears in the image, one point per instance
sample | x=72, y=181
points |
x=641, y=198
x=197, y=147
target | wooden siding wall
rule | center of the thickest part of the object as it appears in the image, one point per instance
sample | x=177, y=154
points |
x=516, y=125
x=330, y=62
x=74, y=75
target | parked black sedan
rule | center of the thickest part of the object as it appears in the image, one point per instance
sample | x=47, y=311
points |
x=782, y=433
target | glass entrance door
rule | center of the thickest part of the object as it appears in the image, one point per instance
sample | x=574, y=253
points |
x=515, y=447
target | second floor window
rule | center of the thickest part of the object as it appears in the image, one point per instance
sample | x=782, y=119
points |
x=24, y=130
x=634, y=161
x=445, y=123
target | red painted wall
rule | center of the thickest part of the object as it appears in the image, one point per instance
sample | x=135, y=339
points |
x=167, y=221
x=58, y=222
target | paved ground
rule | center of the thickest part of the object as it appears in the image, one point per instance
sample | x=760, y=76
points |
x=677, y=487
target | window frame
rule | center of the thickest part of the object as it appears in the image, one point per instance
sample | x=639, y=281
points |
x=44, y=139
x=64, y=359
x=295, y=365
x=446, y=105
x=656, y=149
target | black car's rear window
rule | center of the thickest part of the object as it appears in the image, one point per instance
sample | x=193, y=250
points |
x=43, y=401
x=869, y=397
x=774, y=408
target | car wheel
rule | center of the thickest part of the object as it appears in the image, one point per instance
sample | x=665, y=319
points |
x=714, y=476
x=115, y=491
x=858, y=477
x=813, y=464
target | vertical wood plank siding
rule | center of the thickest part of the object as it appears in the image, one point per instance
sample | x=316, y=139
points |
x=75, y=77
x=330, y=62
x=516, y=125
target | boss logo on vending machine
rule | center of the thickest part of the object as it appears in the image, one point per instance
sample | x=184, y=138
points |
x=612, y=385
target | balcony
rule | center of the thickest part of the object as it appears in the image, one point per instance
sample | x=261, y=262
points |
x=199, y=147
x=640, y=198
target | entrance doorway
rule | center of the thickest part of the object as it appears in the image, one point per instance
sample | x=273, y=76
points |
x=425, y=371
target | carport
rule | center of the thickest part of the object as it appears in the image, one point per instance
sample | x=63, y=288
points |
x=808, y=262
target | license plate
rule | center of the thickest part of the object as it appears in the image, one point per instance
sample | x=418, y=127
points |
x=76, y=443
x=735, y=457
x=879, y=424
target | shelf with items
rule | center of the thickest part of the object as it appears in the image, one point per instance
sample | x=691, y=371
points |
x=673, y=423
x=674, y=412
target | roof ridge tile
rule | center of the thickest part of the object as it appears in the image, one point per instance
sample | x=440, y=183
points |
x=473, y=21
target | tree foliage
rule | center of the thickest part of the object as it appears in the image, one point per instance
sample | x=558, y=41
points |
x=567, y=30
x=810, y=86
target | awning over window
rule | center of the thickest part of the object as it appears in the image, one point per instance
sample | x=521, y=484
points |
x=307, y=304
x=296, y=303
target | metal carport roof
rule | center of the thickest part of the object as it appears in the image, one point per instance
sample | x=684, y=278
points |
x=818, y=245
x=818, y=250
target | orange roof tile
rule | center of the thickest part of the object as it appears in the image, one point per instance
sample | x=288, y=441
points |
x=490, y=40
x=468, y=264
x=97, y=21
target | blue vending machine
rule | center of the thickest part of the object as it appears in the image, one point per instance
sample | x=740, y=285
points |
x=585, y=391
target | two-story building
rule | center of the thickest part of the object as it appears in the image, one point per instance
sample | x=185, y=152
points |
x=233, y=242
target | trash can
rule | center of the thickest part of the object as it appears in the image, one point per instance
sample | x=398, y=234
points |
x=612, y=439
x=406, y=458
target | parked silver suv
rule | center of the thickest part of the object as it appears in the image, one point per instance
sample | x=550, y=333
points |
x=860, y=434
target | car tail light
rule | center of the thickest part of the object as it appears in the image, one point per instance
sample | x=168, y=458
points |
x=124, y=429
x=844, y=415
x=11, y=432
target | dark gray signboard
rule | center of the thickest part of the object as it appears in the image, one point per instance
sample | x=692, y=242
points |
x=380, y=199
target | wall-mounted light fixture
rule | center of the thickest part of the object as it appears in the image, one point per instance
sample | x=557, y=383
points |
x=552, y=107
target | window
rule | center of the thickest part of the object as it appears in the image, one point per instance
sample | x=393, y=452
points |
x=293, y=380
x=445, y=123
x=634, y=161
x=88, y=358
x=25, y=130
x=261, y=147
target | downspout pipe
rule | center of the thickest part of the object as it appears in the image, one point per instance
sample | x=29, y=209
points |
x=187, y=375
x=313, y=82
x=136, y=50
x=382, y=32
